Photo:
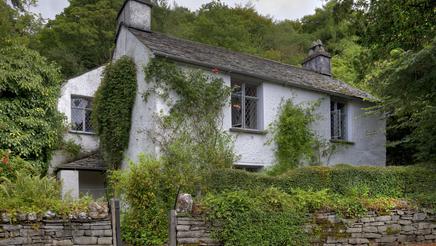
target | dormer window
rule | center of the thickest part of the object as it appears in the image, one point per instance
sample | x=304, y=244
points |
x=245, y=103
x=338, y=120
x=81, y=109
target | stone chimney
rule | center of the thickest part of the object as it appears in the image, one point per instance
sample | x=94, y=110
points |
x=318, y=59
x=136, y=14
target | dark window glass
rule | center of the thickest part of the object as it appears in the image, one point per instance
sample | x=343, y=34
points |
x=81, y=109
x=338, y=120
x=244, y=106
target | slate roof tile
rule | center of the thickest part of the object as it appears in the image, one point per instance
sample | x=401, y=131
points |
x=92, y=162
x=244, y=64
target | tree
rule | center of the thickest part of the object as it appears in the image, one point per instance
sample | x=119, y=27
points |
x=391, y=24
x=16, y=24
x=80, y=38
x=406, y=83
x=30, y=125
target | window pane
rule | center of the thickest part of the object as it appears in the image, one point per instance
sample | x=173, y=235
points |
x=250, y=90
x=88, y=122
x=81, y=108
x=236, y=111
x=343, y=125
x=80, y=102
x=251, y=113
x=236, y=89
x=338, y=120
x=88, y=103
x=77, y=119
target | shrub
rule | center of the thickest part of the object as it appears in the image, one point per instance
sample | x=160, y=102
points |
x=256, y=217
x=149, y=189
x=30, y=125
x=293, y=137
x=27, y=193
x=344, y=180
x=112, y=110
x=11, y=164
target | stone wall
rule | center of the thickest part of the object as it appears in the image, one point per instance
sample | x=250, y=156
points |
x=57, y=232
x=399, y=227
x=193, y=231
x=395, y=228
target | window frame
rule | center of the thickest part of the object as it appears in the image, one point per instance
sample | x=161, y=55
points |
x=243, y=97
x=84, y=111
x=344, y=127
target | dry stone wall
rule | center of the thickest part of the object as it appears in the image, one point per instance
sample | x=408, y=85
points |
x=194, y=231
x=57, y=232
x=399, y=227
x=93, y=227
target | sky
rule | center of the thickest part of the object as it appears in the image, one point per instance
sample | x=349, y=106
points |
x=278, y=9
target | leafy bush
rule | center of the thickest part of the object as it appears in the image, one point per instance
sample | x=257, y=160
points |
x=149, y=189
x=30, y=125
x=293, y=136
x=256, y=217
x=35, y=194
x=10, y=165
x=273, y=217
x=376, y=181
x=113, y=109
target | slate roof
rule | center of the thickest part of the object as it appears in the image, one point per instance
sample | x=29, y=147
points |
x=244, y=64
x=93, y=162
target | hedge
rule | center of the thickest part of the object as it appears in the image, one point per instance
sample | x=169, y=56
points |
x=409, y=181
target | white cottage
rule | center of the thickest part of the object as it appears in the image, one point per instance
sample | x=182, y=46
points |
x=264, y=85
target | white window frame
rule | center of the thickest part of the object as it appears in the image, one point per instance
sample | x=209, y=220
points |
x=341, y=120
x=83, y=112
x=243, y=98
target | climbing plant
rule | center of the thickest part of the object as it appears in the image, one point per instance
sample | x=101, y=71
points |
x=112, y=109
x=190, y=134
x=192, y=144
x=292, y=135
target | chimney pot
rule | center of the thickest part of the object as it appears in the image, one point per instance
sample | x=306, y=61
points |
x=136, y=14
x=318, y=59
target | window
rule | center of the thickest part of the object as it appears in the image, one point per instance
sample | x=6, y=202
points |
x=244, y=106
x=338, y=120
x=81, y=108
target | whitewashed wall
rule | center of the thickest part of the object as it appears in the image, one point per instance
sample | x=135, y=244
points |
x=143, y=111
x=365, y=131
x=82, y=85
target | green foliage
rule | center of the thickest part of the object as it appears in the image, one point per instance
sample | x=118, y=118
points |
x=17, y=25
x=256, y=217
x=293, y=136
x=406, y=84
x=11, y=164
x=190, y=135
x=344, y=64
x=192, y=144
x=255, y=209
x=71, y=148
x=112, y=109
x=30, y=125
x=81, y=37
x=149, y=188
x=270, y=216
x=24, y=190
x=413, y=28
x=343, y=180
